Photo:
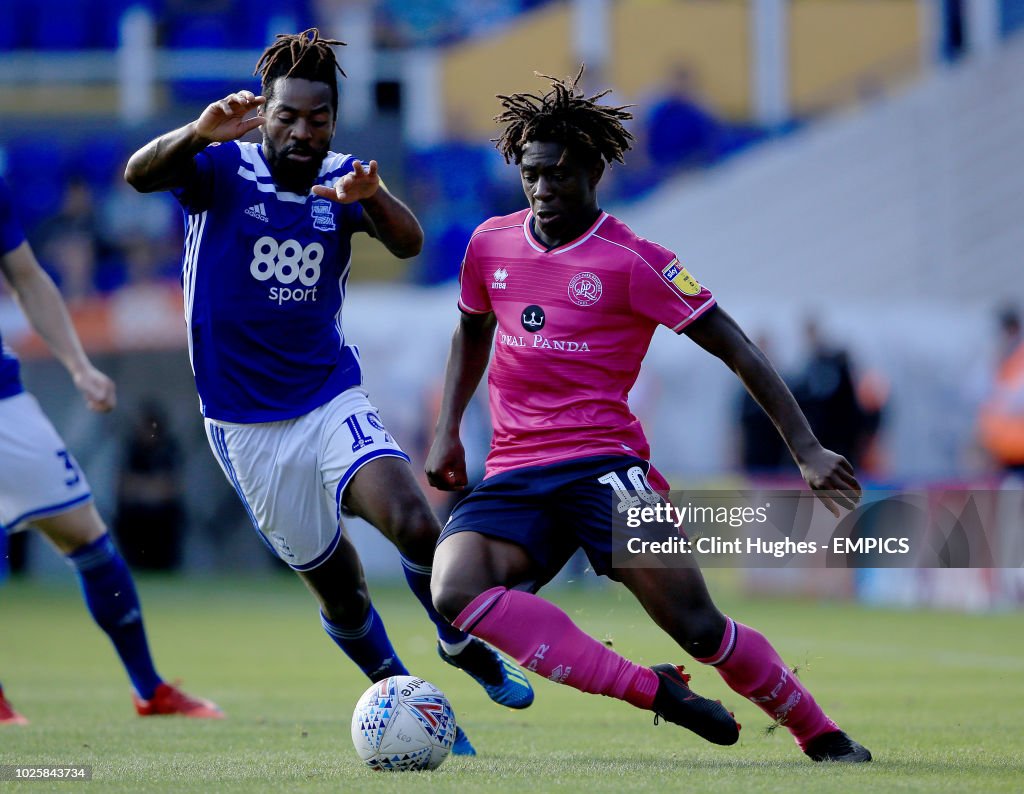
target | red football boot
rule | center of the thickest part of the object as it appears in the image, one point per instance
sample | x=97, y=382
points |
x=169, y=699
x=8, y=716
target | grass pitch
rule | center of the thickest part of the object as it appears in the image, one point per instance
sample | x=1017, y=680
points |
x=937, y=697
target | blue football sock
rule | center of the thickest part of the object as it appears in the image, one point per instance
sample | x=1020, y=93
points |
x=367, y=645
x=418, y=577
x=113, y=603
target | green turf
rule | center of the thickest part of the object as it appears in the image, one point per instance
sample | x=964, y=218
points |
x=938, y=697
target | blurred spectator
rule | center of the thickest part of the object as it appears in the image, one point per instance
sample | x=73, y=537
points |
x=873, y=390
x=952, y=38
x=1001, y=420
x=680, y=131
x=150, y=516
x=762, y=450
x=142, y=231
x=68, y=242
x=452, y=191
x=826, y=391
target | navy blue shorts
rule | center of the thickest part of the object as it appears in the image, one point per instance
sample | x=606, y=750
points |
x=552, y=510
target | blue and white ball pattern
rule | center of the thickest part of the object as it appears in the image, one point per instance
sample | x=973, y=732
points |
x=403, y=723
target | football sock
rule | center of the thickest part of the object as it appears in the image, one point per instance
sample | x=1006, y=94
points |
x=751, y=666
x=367, y=645
x=418, y=577
x=455, y=648
x=542, y=638
x=113, y=603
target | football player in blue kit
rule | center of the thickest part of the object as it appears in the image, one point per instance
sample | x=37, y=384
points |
x=265, y=270
x=41, y=485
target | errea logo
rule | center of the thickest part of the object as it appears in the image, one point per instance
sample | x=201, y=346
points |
x=499, y=279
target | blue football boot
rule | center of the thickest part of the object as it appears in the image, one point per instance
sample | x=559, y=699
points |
x=503, y=681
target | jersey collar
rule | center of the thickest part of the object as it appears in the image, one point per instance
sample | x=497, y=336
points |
x=537, y=245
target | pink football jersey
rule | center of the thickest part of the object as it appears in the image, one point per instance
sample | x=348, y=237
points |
x=574, y=324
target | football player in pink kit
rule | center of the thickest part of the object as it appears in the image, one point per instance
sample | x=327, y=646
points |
x=570, y=298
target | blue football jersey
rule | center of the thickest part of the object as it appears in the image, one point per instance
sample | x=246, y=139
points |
x=11, y=236
x=264, y=274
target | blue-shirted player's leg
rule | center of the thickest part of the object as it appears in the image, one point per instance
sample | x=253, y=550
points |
x=109, y=592
x=348, y=615
x=349, y=618
x=384, y=493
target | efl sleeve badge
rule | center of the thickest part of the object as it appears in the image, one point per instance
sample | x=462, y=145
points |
x=676, y=274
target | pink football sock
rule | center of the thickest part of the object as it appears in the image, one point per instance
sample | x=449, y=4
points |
x=750, y=665
x=542, y=638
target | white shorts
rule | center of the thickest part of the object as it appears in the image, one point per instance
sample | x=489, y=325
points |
x=38, y=476
x=291, y=475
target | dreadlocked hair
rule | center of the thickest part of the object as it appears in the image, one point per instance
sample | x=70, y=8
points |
x=303, y=55
x=567, y=116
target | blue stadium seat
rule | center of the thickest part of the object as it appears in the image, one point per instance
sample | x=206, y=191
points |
x=11, y=26
x=59, y=24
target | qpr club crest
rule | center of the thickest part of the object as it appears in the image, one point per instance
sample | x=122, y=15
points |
x=585, y=289
x=323, y=215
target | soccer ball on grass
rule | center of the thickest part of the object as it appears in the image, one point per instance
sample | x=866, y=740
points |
x=403, y=723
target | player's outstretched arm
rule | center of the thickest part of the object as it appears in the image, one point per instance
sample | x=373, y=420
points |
x=829, y=475
x=388, y=219
x=467, y=361
x=166, y=162
x=39, y=299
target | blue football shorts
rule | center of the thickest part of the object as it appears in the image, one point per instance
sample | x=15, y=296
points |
x=553, y=510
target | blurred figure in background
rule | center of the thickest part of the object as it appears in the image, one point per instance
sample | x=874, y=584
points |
x=681, y=132
x=762, y=450
x=41, y=484
x=1001, y=419
x=453, y=184
x=144, y=234
x=826, y=390
x=150, y=518
x=69, y=242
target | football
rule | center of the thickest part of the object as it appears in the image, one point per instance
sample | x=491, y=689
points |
x=403, y=723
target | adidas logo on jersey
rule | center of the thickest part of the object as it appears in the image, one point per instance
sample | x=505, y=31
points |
x=499, y=279
x=259, y=212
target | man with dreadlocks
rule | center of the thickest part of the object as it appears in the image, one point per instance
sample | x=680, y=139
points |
x=575, y=297
x=265, y=267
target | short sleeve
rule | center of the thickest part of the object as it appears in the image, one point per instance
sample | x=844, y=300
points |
x=473, y=297
x=662, y=290
x=11, y=233
x=196, y=195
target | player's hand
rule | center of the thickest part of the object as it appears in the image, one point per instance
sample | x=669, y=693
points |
x=97, y=389
x=225, y=120
x=361, y=183
x=446, y=464
x=831, y=478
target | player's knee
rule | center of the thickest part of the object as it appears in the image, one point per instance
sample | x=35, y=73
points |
x=414, y=531
x=73, y=529
x=451, y=597
x=349, y=608
x=701, y=632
